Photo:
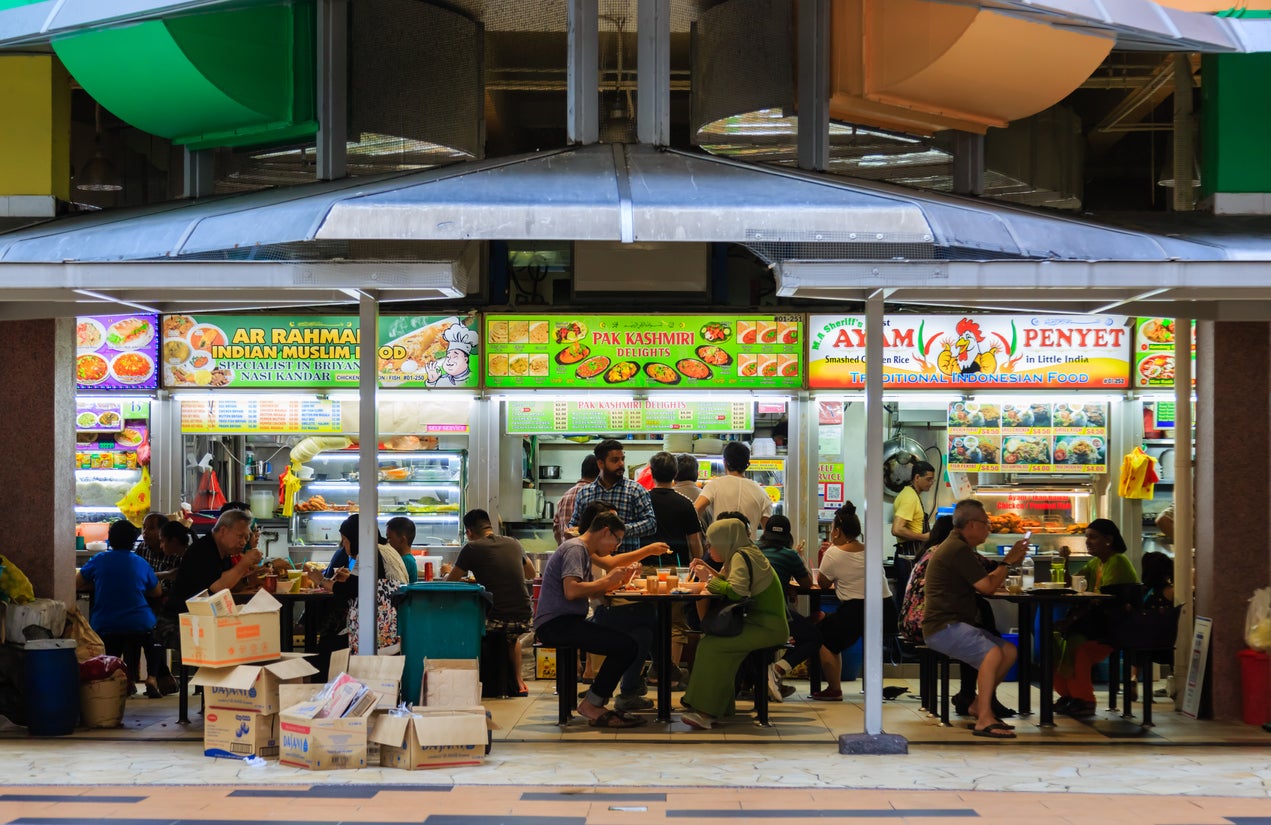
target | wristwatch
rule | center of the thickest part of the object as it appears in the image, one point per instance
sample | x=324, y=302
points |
x=1001, y=563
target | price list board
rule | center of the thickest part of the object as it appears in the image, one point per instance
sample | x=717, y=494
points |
x=550, y=417
x=261, y=416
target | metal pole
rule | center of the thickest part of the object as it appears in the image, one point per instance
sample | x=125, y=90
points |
x=582, y=96
x=874, y=513
x=333, y=89
x=814, y=85
x=653, y=72
x=968, y=163
x=1184, y=530
x=368, y=501
x=199, y=173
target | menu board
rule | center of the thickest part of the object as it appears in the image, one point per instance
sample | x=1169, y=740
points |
x=251, y=415
x=1059, y=437
x=116, y=352
x=1154, y=352
x=975, y=351
x=271, y=351
x=630, y=351
x=600, y=416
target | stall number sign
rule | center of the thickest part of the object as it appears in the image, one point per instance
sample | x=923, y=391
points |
x=829, y=484
x=628, y=352
x=599, y=415
x=1020, y=437
x=274, y=351
x=974, y=351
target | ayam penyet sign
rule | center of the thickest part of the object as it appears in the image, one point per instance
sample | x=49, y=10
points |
x=975, y=351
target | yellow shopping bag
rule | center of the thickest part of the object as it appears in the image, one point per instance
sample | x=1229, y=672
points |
x=136, y=502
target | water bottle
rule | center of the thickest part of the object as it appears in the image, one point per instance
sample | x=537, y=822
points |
x=1026, y=568
x=249, y=465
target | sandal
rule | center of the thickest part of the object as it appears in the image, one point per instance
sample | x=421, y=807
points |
x=152, y=691
x=617, y=719
x=997, y=730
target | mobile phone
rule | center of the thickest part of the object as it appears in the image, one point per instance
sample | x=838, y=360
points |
x=1028, y=534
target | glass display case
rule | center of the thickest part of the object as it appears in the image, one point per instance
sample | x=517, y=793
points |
x=1056, y=516
x=426, y=487
x=769, y=473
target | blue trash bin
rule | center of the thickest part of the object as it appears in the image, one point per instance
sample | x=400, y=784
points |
x=438, y=620
x=1012, y=675
x=51, y=685
x=853, y=660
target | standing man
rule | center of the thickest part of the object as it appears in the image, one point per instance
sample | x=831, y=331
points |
x=909, y=519
x=677, y=522
x=400, y=532
x=955, y=575
x=499, y=564
x=686, y=472
x=630, y=500
x=733, y=492
x=565, y=507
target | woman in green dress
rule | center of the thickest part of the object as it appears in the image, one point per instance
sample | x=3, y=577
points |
x=1079, y=653
x=746, y=573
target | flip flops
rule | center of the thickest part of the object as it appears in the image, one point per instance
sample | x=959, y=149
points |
x=997, y=730
x=617, y=719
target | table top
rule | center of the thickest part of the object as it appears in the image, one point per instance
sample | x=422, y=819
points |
x=809, y=591
x=667, y=597
x=1048, y=596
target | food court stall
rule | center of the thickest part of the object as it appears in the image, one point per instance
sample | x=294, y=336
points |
x=266, y=410
x=684, y=383
x=1025, y=412
x=116, y=378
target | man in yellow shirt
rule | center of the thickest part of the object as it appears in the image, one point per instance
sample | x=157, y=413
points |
x=909, y=518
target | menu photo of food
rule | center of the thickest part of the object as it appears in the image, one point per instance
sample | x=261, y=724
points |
x=974, y=451
x=114, y=351
x=747, y=365
x=1017, y=416
x=1157, y=369
x=1157, y=331
x=1025, y=450
x=974, y=415
x=187, y=353
x=1079, y=449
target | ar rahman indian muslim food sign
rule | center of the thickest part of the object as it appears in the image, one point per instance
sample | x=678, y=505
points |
x=628, y=351
x=273, y=351
x=975, y=351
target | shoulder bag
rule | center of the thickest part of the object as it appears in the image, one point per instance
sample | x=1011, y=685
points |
x=729, y=619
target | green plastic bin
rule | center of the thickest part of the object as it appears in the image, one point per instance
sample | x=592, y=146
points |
x=438, y=620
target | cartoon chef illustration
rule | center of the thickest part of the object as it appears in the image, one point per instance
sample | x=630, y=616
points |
x=968, y=353
x=454, y=369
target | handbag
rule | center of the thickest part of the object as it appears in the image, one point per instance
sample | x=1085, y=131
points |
x=729, y=619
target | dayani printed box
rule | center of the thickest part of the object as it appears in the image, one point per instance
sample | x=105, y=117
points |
x=252, y=687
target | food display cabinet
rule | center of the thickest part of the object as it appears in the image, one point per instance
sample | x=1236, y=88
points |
x=1057, y=516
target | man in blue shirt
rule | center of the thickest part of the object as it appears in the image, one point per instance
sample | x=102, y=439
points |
x=630, y=500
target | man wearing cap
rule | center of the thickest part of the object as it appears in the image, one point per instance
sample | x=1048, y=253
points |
x=777, y=544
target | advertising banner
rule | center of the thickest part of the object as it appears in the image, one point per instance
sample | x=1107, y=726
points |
x=279, y=351
x=975, y=352
x=1154, y=352
x=252, y=415
x=117, y=352
x=631, y=351
x=1058, y=437
x=601, y=416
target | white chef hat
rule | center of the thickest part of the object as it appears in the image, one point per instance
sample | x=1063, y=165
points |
x=459, y=337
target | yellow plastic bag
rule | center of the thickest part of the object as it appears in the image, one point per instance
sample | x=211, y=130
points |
x=136, y=502
x=78, y=628
x=14, y=585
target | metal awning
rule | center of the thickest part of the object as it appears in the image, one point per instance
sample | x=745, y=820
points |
x=411, y=237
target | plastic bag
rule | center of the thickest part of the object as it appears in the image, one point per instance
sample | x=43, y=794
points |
x=100, y=667
x=1258, y=620
x=77, y=628
x=14, y=585
x=136, y=502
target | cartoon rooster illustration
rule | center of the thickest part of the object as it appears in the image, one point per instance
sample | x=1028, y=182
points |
x=967, y=354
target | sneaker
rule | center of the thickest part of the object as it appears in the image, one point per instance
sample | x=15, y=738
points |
x=774, y=684
x=627, y=704
x=828, y=695
x=697, y=721
x=787, y=691
x=1079, y=708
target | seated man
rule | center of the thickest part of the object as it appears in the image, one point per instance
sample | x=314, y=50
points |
x=954, y=575
x=400, y=532
x=499, y=564
x=568, y=583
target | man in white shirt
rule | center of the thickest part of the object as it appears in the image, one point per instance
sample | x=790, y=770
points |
x=734, y=492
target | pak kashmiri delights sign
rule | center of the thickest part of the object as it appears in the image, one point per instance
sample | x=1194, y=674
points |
x=975, y=351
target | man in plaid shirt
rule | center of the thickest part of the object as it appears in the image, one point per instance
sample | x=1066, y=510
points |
x=628, y=498
x=148, y=548
x=565, y=507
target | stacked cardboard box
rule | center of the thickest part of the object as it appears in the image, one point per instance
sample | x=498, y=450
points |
x=326, y=728
x=448, y=729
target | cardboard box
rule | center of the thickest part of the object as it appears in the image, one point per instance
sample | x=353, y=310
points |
x=544, y=663
x=252, y=687
x=247, y=635
x=431, y=738
x=321, y=744
x=240, y=732
x=451, y=683
x=382, y=674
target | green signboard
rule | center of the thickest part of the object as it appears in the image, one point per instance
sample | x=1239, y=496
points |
x=601, y=416
x=276, y=351
x=1154, y=352
x=629, y=351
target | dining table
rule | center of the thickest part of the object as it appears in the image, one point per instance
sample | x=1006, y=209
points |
x=1041, y=603
x=664, y=605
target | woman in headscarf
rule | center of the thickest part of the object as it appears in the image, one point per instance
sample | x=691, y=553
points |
x=746, y=573
x=392, y=575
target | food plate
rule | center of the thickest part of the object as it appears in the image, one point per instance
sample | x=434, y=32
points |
x=132, y=367
x=716, y=331
x=417, y=348
x=694, y=369
x=571, y=331
x=714, y=356
x=176, y=351
x=89, y=335
x=572, y=354
x=206, y=336
x=1052, y=587
x=91, y=368
x=1159, y=367
x=661, y=373
x=130, y=437
x=109, y=418
x=130, y=333
x=86, y=419
x=622, y=372
x=592, y=366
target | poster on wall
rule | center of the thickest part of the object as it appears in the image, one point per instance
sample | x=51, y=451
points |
x=117, y=352
x=1023, y=437
x=974, y=351
x=639, y=416
x=630, y=351
x=280, y=351
x=1154, y=352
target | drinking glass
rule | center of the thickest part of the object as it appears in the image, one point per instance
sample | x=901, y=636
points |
x=1079, y=584
x=1057, y=572
x=651, y=584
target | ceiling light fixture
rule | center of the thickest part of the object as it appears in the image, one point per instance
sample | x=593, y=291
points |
x=99, y=174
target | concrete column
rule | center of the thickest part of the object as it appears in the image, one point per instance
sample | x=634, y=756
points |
x=1233, y=490
x=37, y=437
x=35, y=153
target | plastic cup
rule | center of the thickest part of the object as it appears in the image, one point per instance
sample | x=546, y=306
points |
x=663, y=575
x=651, y=584
x=814, y=573
x=1079, y=584
x=673, y=581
